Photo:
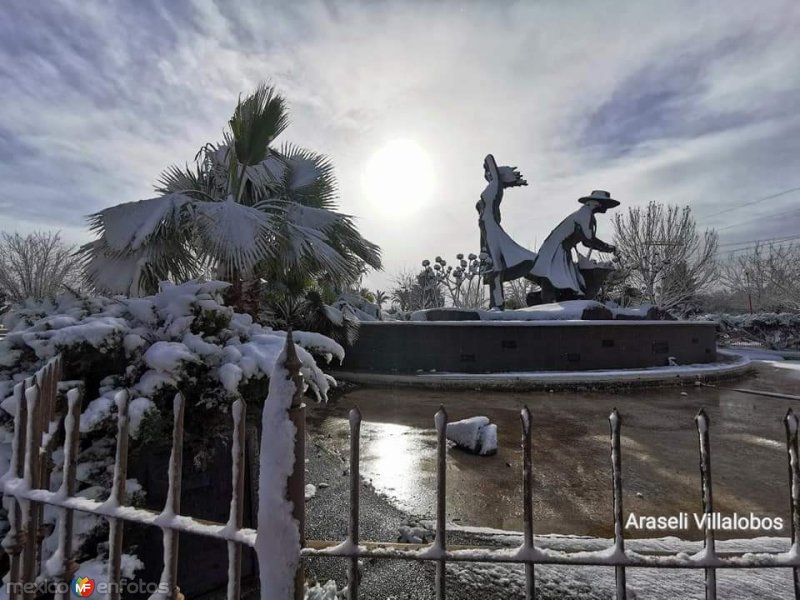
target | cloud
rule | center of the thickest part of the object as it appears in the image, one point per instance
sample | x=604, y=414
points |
x=680, y=102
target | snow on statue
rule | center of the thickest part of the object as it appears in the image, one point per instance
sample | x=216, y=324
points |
x=502, y=259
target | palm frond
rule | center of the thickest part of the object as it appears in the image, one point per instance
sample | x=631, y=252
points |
x=257, y=120
x=129, y=226
x=138, y=272
x=309, y=178
x=235, y=236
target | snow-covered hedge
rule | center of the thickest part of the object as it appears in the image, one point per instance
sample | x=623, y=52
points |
x=779, y=331
x=180, y=339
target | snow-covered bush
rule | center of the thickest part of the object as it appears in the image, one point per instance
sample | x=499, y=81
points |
x=181, y=339
x=779, y=331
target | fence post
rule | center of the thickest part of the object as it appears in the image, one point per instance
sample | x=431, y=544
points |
x=791, y=424
x=441, y=420
x=33, y=443
x=117, y=497
x=236, y=514
x=527, y=496
x=14, y=542
x=296, y=487
x=702, y=421
x=615, y=422
x=172, y=507
x=67, y=490
x=353, y=578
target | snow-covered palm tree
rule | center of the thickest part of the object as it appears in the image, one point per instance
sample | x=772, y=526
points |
x=245, y=209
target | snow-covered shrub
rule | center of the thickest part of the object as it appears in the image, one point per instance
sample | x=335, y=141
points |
x=181, y=339
x=778, y=331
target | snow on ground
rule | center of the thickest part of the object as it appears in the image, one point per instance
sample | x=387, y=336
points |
x=792, y=365
x=570, y=582
x=329, y=591
x=311, y=491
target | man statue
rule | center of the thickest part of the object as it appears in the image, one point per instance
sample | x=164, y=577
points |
x=502, y=259
x=559, y=276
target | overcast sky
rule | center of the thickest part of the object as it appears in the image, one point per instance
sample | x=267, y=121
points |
x=688, y=103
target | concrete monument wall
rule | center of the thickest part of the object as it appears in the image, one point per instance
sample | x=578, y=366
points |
x=509, y=346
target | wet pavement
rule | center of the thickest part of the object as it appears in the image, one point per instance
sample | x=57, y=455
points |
x=571, y=454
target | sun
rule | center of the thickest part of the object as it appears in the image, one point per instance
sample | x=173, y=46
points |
x=399, y=177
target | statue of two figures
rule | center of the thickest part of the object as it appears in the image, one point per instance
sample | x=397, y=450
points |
x=553, y=268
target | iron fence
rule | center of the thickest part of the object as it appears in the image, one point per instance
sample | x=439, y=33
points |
x=27, y=488
x=37, y=426
x=529, y=555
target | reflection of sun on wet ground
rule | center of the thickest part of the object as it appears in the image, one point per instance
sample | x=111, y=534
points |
x=392, y=459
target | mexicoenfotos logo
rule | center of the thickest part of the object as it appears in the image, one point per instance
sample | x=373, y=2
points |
x=82, y=587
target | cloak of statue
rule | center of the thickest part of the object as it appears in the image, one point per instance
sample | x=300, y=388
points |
x=555, y=265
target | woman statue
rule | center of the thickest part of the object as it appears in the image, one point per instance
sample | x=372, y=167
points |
x=555, y=270
x=502, y=259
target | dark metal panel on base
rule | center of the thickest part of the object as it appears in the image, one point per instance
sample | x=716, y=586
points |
x=498, y=347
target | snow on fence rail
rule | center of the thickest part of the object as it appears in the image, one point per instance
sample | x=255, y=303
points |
x=27, y=489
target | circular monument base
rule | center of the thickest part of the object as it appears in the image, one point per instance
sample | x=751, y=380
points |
x=480, y=347
x=728, y=366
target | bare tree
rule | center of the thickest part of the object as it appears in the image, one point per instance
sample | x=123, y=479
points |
x=36, y=266
x=664, y=255
x=516, y=292
x=766, y=278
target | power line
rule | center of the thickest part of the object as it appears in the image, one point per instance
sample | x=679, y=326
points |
x=773, y=215
x=751, y=202
x=775, y=239
x=778, y=242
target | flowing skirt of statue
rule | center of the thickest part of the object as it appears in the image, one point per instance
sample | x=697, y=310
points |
x=555, y=262
x=507, y=256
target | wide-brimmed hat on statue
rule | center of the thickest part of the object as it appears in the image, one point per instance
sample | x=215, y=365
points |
x=601, y=196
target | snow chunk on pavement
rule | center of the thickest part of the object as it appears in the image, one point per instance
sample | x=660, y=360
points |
x=475, y=434
x=311, y=491
x=489, y=440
